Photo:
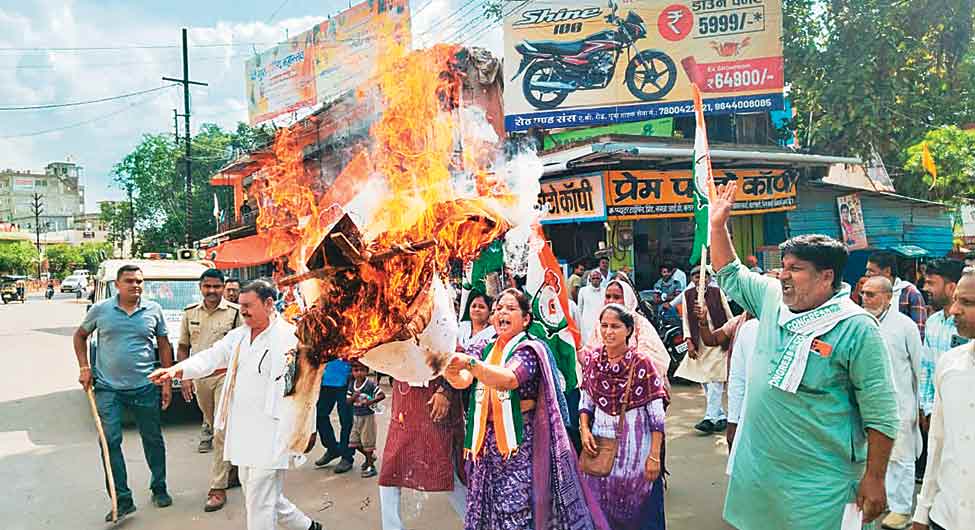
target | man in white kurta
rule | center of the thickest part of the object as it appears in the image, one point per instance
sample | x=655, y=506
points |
x=257, y=419
x=903, y=341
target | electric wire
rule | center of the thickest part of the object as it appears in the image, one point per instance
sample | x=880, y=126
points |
x=84, y=122
x=88, y=102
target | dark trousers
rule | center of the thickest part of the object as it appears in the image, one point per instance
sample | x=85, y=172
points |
x=922, y=461
x=572, y=401
x=328, y=398
x=143, y=403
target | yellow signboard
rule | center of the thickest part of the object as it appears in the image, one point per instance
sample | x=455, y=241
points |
x=640, y=194
x=323, y=62
x=579, y=64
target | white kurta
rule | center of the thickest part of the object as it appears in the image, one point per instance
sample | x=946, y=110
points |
x=711, y=365
x=261, y=420
x=903, y=341
x=591, y=301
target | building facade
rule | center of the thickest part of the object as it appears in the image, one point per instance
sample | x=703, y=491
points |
x=59, y=187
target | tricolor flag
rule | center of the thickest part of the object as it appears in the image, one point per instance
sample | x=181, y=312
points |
x=703, y=180
x=216, y=208
x=552, y=321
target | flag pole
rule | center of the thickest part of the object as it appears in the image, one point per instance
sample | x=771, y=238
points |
x=701, y=276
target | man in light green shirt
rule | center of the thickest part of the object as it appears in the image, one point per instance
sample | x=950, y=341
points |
x=820, y=413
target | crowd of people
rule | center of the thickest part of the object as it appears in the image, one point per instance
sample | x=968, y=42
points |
x=837, y=401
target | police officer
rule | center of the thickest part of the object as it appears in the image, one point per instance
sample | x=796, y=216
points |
x=204, y=324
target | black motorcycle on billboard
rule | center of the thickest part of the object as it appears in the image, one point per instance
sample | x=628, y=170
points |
x=555, y=69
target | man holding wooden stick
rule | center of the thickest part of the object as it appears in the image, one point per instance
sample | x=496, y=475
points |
x=126, y=326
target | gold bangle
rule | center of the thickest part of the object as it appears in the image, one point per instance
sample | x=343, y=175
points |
x=652, y=459
x=85, y=368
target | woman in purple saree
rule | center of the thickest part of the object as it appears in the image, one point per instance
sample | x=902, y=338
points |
x=630, y=496
x=522, y=470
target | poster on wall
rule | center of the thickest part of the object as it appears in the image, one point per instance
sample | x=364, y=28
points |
x=322, y=63
x=579, y=64
x=851, y=221
x=644, y=194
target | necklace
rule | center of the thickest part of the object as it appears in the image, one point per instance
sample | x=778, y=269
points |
x=400, y=385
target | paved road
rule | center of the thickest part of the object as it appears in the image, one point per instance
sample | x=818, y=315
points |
x=51, y=472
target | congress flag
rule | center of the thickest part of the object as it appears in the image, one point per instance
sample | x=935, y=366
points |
x=703, y=180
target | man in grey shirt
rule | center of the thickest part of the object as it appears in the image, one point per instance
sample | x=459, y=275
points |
x=126, y=325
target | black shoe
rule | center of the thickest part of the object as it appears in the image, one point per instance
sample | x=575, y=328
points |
x=122, y=512
x=326, y=459
x=161, y=499
x=344, y=467
x=705, y=426
x=315, y=525
x=720, y=425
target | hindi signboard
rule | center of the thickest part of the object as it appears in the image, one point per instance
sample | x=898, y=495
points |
x=323, y=62
x=579, y=64
x=640, y=194
x=573, y=200
x=851, y=221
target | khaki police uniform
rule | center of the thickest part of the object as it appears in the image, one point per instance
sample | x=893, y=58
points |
x=202, y=328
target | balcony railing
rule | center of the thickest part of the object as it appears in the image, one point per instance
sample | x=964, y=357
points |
x=247, y=219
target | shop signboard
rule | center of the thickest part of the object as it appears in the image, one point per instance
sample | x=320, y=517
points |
x=580, y=64
x=281, y=80
x=322, y=63
x=23, y=185
x=851, y=221
x=572, y=200
x=644, y=194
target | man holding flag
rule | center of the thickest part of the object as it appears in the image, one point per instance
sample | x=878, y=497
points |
x=813, y=448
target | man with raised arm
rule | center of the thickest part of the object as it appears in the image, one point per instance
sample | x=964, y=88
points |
x=821, y=410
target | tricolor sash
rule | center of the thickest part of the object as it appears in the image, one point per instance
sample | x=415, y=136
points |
x=802, y=330
x=504, y=407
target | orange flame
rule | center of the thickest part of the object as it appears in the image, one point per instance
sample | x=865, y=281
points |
x=414, y=150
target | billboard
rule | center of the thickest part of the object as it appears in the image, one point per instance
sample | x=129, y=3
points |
x=322, y=63
x=573, y=199
x=641, y=194
x=23, y=184
x=579, y=64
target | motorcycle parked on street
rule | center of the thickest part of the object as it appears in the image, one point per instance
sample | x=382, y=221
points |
x=555, y=69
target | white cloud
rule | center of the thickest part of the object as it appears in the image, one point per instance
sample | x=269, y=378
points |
x=40, y=77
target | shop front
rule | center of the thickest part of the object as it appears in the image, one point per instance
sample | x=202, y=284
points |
x=632, y=201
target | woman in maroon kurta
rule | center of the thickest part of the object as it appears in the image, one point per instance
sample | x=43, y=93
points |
x=424, y=447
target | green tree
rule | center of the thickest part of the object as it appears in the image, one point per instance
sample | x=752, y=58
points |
x=92, y=254
x=155, y=172
x=116, y=216
x=953, y=152
x=17, y=257
x=875, y=74
x=63, y=258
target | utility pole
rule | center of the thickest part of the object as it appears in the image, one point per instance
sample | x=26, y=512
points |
x=185, y=81
x=37, y=206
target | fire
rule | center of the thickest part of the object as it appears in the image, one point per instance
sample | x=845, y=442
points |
x=418, y=147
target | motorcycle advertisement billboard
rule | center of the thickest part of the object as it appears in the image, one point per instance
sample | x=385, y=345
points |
x=581, y=64
x=322, y=63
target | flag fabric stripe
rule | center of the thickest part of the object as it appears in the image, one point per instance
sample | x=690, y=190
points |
x=703, y=180
x=552, y=320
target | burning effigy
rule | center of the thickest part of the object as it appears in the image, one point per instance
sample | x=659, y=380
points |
x=365, y=257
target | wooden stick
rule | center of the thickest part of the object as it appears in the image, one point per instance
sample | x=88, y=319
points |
x=105, y=456
x=700, y=282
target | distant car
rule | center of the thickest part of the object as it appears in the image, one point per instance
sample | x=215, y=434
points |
x=73, y=284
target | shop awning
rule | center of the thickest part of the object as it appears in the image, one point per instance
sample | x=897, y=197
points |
x=613, y=150
x=910, y=251
x=251, y=251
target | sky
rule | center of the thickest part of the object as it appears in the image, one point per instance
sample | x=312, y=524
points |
x=40, y=64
